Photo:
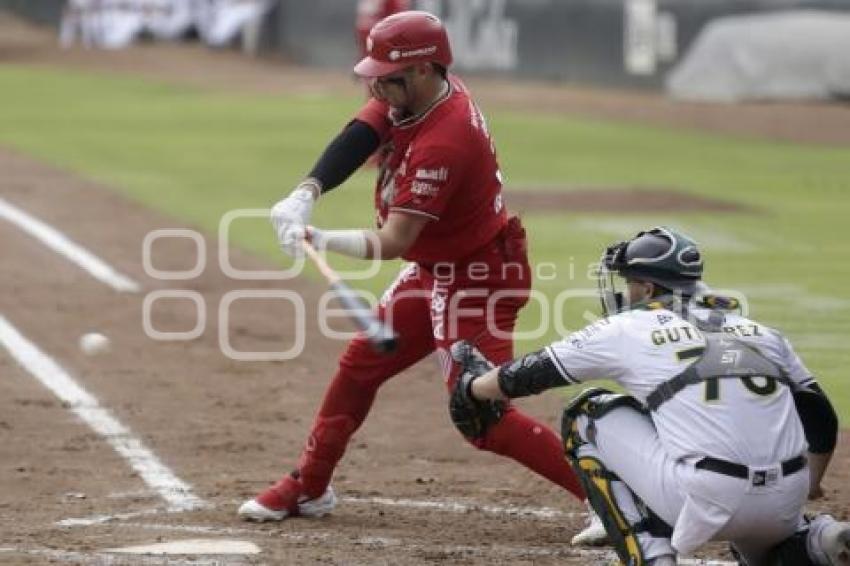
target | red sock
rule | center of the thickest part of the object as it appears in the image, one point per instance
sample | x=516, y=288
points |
x=535, y=446
x=346, y=404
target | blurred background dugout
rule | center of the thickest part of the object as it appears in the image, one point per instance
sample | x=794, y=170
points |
x=717, y=50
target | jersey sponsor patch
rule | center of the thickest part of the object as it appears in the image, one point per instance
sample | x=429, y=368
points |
x=423, y=189
x=439, y=295
x=439, y=174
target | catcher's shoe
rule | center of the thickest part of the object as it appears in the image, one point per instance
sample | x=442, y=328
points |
x=284, y=499
x=835, y=542
x=594, y=533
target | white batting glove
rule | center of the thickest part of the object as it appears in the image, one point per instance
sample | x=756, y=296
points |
x=290, y=216
x=352, y=243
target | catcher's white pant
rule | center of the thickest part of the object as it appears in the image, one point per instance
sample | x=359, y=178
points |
x=700, y=505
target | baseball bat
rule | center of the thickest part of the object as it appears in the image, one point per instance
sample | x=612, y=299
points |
x=381, y=337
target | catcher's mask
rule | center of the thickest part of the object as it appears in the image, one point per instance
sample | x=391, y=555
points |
x=662, y=256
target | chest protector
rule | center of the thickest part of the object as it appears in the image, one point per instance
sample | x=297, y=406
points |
x=722, y=358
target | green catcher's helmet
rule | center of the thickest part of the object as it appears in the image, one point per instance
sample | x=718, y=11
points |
x=661, y=255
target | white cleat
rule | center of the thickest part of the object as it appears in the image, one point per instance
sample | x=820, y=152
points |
x=320, y=506
x=594, y=533
x=254, y=510
x=835, y=542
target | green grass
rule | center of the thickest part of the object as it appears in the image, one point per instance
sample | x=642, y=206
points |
x=196, y=154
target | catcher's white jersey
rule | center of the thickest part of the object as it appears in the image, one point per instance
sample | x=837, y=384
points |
x=751, y=422
x=746, y=421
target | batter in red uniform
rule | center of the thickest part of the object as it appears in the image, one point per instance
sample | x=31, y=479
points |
x=439, y=206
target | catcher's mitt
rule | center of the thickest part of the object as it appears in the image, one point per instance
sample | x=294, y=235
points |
x=472, y=417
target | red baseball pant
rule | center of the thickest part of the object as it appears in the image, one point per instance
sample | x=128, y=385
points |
x=431, y=308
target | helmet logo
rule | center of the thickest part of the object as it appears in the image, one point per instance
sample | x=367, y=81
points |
x=394, y=55
x=416, y=52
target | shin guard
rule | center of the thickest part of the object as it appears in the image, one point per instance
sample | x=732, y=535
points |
x=623, y=514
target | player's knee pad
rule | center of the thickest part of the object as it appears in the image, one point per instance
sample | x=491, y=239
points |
x=594, y=403
x=607, y=494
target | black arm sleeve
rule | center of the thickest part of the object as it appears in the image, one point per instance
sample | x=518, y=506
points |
x=345, y=154
x=819, y=419
x=529, y=375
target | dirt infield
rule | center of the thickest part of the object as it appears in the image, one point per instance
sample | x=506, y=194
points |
x=413, y=491
x=226, y=427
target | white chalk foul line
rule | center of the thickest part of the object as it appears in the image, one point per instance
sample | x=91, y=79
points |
x=155, y=474
x=519, y=512
x=458, y=507
x=101, y=519
x=105, y=559
x=72, y=251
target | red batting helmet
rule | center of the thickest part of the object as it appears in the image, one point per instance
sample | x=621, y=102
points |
x=404, y=39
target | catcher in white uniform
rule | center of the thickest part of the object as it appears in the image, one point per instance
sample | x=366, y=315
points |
x=724, y=433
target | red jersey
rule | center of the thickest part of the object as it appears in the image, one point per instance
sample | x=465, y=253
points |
x=441, y=165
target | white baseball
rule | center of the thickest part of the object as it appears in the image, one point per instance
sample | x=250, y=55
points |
x=94, y=343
